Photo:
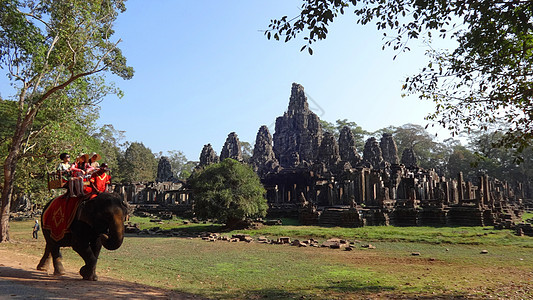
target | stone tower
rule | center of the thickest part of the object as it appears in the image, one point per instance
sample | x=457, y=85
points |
x=208, y=156
x=232, y=148
x=328, y=153
x=263, y=158
x=347, y=149
x=164, y=170
x=298, y=132
x=372, y=154
x=389, y=149
x=409, y=158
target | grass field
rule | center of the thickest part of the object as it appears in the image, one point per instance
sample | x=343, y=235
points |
x=450, y=263
x=528, y=215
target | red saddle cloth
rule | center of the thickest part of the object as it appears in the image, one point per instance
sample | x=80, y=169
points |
x=59, y=215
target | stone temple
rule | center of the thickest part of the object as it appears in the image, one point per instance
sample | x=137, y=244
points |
x=322, y=180
x=311, y=175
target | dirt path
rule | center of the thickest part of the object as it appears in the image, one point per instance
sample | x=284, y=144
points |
x=20, y=280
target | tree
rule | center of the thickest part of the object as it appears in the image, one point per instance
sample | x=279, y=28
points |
x=486, y=79
x=229, y=192
x=51, y=133
x=187, y=170
x=54, y=130
x=140, y=164
x=422, y=142
x=247, y=151
x=430, y=153
x=111, y=149
x=54, y=53
x=499, y=162
x=181, y=167
x=463, y=160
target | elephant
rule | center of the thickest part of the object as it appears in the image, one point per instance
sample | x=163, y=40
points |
x=98, y=222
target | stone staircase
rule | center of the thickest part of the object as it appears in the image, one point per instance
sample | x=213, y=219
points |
x=331, y=217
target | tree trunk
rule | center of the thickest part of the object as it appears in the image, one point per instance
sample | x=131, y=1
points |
x=4, y=219
x=7, y=190
x=9, y=171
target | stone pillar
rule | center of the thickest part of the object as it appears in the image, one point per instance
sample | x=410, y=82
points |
x=488, y=199
x=359, y=186
x=469, y=188
x=460, y=189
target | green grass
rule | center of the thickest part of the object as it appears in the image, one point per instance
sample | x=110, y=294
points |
x=433, y=235
x=225, y=270
x=527, y=216
x=231, y=270
x=175, y=223
x=291, y=228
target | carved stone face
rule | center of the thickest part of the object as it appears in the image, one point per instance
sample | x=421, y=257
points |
x=294, y=159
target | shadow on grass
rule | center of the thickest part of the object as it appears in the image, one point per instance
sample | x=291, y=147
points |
x=270, y=293
x=353, y=288
x=335, y=290
x=343, y=290
x=350, y=286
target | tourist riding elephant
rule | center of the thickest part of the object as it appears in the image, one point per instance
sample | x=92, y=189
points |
x=92, y=224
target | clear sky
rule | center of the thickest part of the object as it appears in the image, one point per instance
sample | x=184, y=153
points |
x=204, y=69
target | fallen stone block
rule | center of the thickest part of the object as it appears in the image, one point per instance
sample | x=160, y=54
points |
x=284, y=240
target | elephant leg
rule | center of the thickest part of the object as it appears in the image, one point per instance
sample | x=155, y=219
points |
x=45, y=260
x=57, y=259
x=88, y=272
x=96, y=246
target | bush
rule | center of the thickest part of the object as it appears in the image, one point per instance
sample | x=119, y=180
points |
x=229, y=192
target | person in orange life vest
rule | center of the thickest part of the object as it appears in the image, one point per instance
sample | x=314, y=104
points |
x=99, y=181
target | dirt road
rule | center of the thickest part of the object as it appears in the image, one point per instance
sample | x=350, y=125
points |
x=20, y=280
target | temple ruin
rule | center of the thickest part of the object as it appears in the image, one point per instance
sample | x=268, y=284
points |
x=311, y=175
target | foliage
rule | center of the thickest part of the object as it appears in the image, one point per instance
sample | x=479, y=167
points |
x=463, y=160
x=498, y=161
x=187, y=170
x=181, y=167
x=484, y=80
x=54, y=53
x=139, y=165
x=247, y=151
x=228, y=192
x=430, y=153
x=54, y=131
x=111, y=145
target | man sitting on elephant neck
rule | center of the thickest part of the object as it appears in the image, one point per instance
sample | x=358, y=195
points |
x=98, y=181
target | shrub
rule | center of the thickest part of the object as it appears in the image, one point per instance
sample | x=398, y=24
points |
x=229, y=192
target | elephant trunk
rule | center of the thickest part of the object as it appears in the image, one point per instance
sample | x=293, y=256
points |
x=113, y=240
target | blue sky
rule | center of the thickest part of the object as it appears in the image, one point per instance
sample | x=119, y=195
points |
x=204, y=69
